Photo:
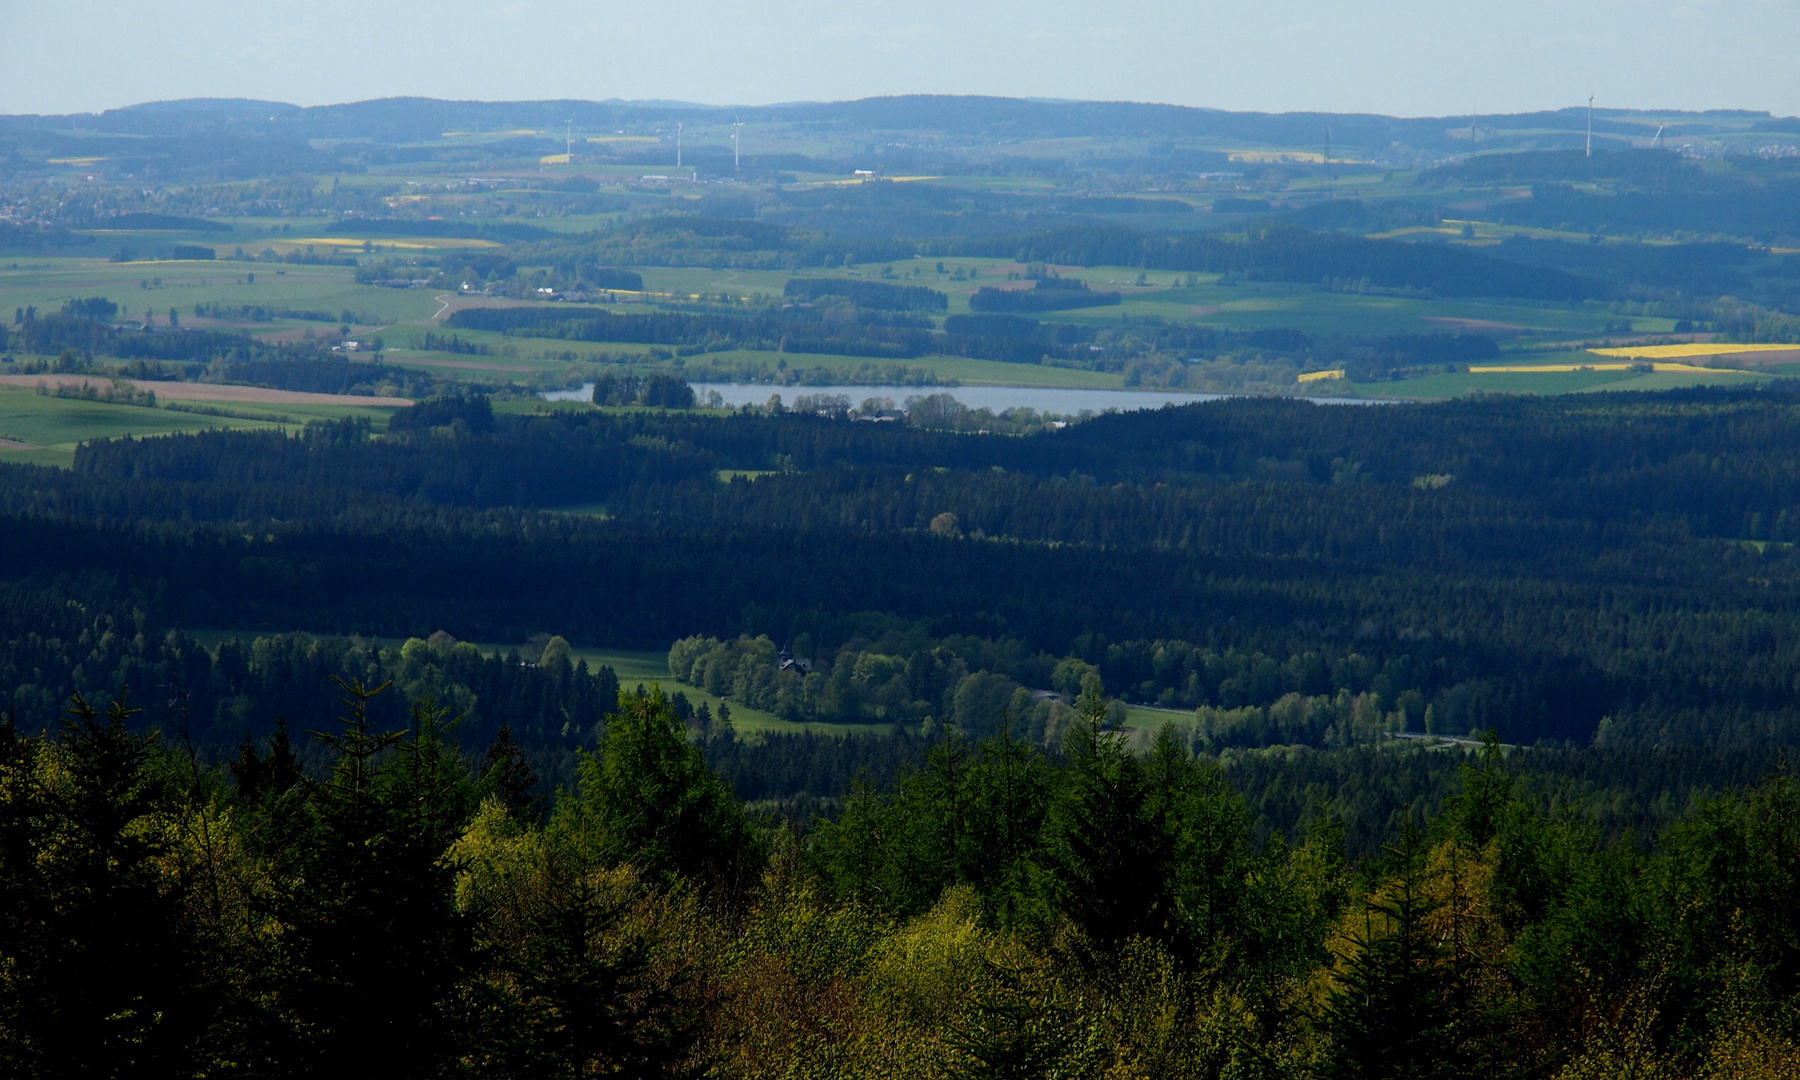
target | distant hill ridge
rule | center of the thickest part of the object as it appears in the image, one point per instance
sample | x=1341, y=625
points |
x=413, y=118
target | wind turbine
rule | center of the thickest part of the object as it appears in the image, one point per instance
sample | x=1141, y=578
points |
x=569, y=140
x=1656, y=142
x=678, y=144
x=1590, y=133
x=737, y=130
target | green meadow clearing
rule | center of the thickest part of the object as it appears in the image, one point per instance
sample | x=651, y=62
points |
x=634, y=668
x=156, y=287
x=1149, y=718
x=52, y=427
x=1259, y=305
x=1432, y=387
x=652, y=668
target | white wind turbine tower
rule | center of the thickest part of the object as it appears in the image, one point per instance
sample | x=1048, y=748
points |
x=1590, y=133
x=569, y=140
x=737, y=130
x=678, y=144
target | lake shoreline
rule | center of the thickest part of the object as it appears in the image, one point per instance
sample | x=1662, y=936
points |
x=1058, y=401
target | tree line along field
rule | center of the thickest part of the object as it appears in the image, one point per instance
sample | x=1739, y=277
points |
x=1430, y=387
x=650, y=669
x=632, y=669
x=158, y=286
x=47, y=429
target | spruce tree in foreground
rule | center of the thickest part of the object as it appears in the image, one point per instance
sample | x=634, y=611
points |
x=372, y=945
x=649, y=800
x=1396, y=1012
x=100, y=967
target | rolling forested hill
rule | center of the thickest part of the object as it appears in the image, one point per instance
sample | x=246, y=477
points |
x=1599, y=592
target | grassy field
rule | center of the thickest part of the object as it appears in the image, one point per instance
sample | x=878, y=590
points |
x=507, y=352
x=1258, y=306
x=480, y=368
x=686, y=281
x=55, y=426
x=961, y=369
x=1683, y=380
x=1151, y=719
x=528, y=406
x=652, y=668
x=1432, y=387
x=257, y=235
x=158, y=286
x=51, y=427
x=746, y=283
x=1546, y=382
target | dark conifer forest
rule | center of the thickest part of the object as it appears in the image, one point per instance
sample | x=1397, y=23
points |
x=1473, y=758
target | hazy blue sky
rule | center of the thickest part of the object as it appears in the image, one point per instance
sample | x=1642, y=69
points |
x=1407, y=57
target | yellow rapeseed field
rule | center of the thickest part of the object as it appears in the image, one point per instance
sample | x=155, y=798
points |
x=1697, y=348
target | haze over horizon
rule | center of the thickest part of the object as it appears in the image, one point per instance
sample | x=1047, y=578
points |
x=1405, y=58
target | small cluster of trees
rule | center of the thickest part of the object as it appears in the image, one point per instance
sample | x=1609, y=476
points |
x=876, y=295
x=1046, y=294
x=271, y=312
x=969, y=685
x=117, y=392
x=174, y=252
x=656, y=391
x=1245, y=699
x=453, y=343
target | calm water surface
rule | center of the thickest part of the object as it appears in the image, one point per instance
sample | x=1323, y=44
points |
x=998, y=398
